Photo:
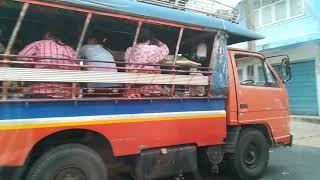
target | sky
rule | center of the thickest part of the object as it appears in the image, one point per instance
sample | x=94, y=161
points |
x=230, y=2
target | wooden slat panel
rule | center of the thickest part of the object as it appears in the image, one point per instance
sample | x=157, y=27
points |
x=56, y=75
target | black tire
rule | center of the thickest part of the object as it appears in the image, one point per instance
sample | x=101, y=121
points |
x=252, y=155
x=70, y=160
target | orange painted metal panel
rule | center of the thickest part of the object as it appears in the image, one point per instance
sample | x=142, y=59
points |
x=231, y=103
x=125, y=138
x=266, y=105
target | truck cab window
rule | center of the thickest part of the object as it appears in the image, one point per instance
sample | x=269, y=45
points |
x=270, y=77
x=253, y=71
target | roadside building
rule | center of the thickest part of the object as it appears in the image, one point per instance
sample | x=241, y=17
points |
x=291, y=27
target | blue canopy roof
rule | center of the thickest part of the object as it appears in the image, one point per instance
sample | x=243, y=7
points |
x=236, y=32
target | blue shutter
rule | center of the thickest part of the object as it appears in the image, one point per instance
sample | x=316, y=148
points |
x=302, y=88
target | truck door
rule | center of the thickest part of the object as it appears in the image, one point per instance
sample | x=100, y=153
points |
x=261, y=95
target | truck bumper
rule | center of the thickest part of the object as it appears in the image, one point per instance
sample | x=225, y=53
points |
x=291, y=140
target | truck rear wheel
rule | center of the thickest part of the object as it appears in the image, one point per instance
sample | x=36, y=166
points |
x=252, y=155
x=70, y=161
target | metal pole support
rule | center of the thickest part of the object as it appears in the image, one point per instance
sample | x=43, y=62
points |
x=13, y=37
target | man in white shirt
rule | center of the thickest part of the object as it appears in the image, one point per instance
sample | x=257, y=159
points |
x=94, y=51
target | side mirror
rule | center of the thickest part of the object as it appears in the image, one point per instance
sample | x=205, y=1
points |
x=286, y=70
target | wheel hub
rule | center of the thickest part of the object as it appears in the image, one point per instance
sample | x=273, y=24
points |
x=71, y=173
x=250, y=156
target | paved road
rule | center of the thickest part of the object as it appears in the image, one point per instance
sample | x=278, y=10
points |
x=300, y=162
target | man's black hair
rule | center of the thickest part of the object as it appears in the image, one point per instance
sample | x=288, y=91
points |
x=56, y=31
x=97, y=35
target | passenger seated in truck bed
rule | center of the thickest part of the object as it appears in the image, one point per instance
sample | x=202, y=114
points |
x=148, y=50
x=95, y=54
x=51, y=46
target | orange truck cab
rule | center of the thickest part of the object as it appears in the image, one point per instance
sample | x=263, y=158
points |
x=230, y=110
x=261, y=98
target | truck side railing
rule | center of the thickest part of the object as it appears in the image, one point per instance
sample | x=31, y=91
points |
x=36, y=70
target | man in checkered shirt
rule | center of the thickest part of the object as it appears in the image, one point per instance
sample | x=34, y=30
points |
x=51, y=46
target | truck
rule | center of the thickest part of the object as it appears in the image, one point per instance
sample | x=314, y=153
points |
x=241, y=112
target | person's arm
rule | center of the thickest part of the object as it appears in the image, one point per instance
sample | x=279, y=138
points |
x=30, y=50
x=127, y=54
x=81, y=53
x=72, y=55
x=164, y=50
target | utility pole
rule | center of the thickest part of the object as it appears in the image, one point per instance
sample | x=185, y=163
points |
x=248, y=10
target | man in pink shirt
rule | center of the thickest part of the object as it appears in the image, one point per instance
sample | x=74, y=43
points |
x=51, y=46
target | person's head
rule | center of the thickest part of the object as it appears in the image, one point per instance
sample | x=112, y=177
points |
x=96, y=38
x=53, y=33
x=145, y=36
x=92, y=40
